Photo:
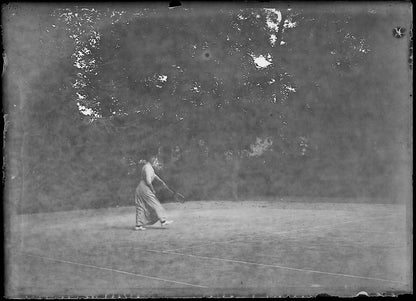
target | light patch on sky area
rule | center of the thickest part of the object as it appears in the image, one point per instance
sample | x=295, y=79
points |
x=363, y=47
x=262, y=62
x=162, y=78
x=84, y=110
x=80, y=96
x=351, y=42
x=290, y=88
x=82, y=60
x=116, y=16
x=196, y=87
x=303, y=144
x=273, y=39
x=289, y=24
x=273, y=19
x=260, y=146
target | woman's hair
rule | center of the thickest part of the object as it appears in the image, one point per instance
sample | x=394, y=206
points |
x=148, y=153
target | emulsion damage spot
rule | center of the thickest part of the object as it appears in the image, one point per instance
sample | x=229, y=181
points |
x=206, y=55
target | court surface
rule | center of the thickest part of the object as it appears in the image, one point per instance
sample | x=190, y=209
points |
x=215, y=248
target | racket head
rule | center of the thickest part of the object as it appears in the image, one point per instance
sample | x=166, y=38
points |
x=179, y=197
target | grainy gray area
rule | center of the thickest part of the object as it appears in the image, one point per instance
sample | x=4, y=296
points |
x=286, y=126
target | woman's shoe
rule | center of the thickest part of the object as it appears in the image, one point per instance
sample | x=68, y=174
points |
x=139, y=228
x=165, y=223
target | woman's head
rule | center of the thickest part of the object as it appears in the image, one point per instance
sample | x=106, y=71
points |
x=152, y=160
x=149, y=155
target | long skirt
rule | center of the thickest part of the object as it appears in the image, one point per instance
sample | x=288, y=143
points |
x=148, y=208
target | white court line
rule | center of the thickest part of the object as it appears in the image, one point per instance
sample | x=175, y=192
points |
x=112, y=270
x=276, y=233
x=277, y=266
x=381, y=232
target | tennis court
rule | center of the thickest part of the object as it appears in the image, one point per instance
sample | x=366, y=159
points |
x=214, y=248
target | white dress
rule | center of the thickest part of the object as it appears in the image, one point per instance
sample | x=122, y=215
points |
x=148, y=208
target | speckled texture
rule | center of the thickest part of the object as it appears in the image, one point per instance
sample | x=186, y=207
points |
x=268, y=240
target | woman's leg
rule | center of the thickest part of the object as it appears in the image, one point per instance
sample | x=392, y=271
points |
x=138, y=221
x=158, y=208
x=152, y=209
x=160, y=212
x=140, y=215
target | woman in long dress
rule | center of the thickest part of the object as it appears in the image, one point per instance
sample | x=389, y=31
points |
x=148, y=208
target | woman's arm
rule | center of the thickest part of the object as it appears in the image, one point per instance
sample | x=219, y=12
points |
x=163, y=183
x=160, y=180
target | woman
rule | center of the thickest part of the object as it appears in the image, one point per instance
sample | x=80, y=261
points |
x=148, y=208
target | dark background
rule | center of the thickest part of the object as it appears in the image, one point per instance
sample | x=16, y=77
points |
x=344, y=133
